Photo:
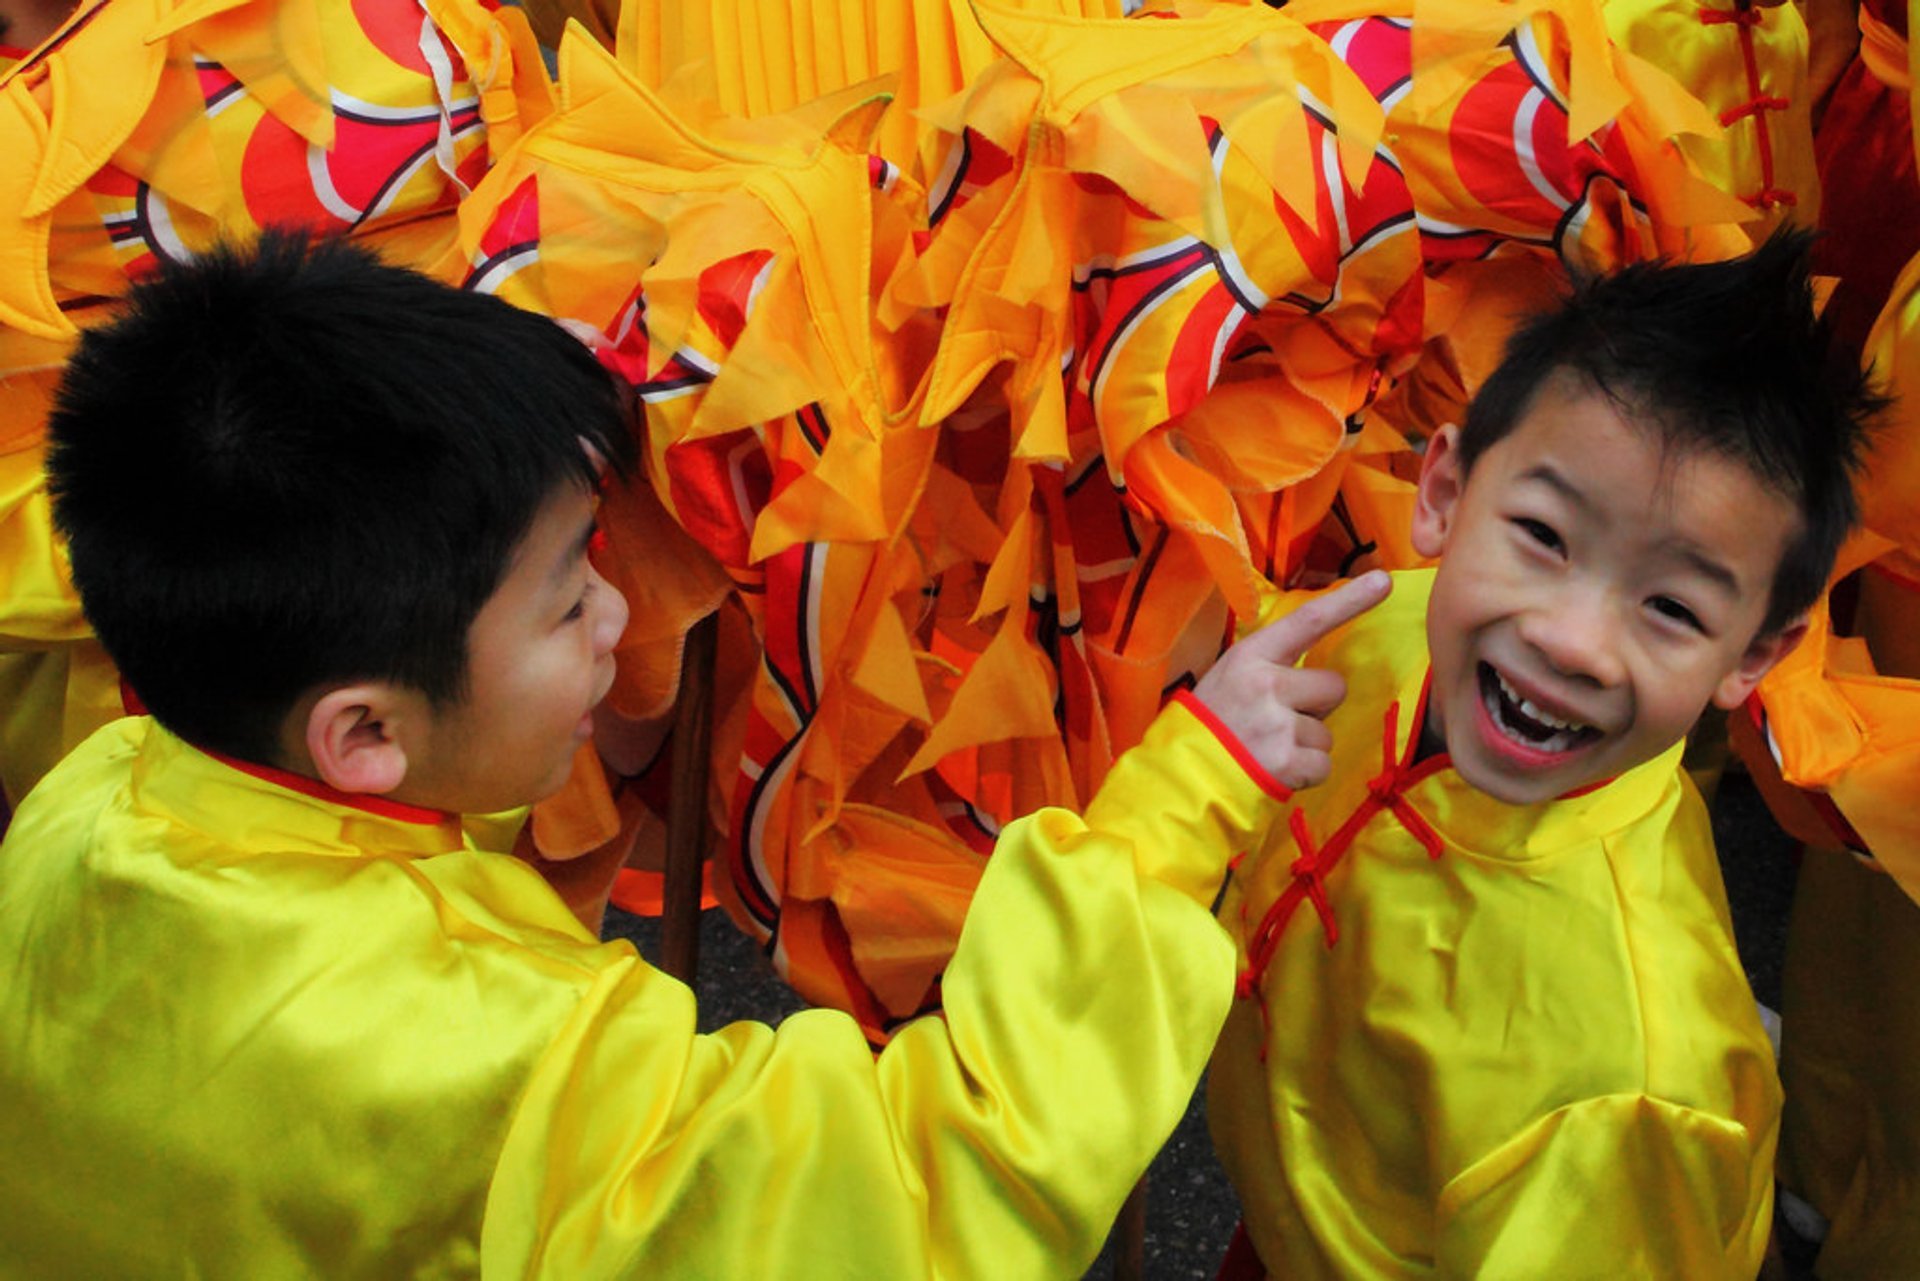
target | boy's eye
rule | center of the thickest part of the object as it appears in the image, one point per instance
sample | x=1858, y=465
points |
x=1539, y=531
x=579, y=610
x=1669, y=608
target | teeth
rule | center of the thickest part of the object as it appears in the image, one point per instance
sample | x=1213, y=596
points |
x=1505, y=704
x=1534, y=712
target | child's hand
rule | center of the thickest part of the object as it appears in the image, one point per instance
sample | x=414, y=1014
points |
x=1275, y=708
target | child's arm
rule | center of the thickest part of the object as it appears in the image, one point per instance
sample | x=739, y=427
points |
x=995, y=1140
x=1262, y=707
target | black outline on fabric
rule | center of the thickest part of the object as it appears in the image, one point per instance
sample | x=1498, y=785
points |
x=1074, y=484
x=233, y=88
x=408, y=169
x=1142, y=572
x=1193, y=246
x=1534, y=74
x=767, y=910
x=427, y=115
x=142, y=221
x=1565, y=221
x=517, y=249
x=1203, y=257
x=805, y=647
x=815, y=429
x=394, y=176
x=959, y=178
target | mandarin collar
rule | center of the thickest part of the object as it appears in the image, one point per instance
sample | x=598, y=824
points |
x=260, y=807
x=1470, y=819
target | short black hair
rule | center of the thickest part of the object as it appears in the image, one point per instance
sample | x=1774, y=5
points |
x=291, y=465
x=1728, y=357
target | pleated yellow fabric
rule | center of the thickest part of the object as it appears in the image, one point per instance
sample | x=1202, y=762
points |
x=761, y=57
x=344, y=1042
x=1463, y=1022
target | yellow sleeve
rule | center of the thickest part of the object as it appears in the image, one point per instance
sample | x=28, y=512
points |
x=1618, y=1186
x=997, y=1139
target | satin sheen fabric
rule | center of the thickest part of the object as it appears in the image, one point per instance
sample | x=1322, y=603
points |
x=1532, y=1053
x=253, y=1032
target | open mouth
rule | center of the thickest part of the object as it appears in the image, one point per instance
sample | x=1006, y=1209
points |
x=1527, y=724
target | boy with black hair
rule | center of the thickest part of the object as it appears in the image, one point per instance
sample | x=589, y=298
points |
x=270, y=1013
x=1508, y=1034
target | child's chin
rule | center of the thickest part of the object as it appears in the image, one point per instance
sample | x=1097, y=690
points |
x=1520, y=787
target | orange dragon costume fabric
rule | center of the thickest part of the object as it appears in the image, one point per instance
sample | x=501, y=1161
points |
x=142, y=131
x=993, y=408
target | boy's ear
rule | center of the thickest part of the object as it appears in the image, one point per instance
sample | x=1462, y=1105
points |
x=1441, y=484
x=353, y=738
x=1757, y=661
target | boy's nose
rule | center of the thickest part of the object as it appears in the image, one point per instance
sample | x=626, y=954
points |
x=1577, y=634
x=610, y=617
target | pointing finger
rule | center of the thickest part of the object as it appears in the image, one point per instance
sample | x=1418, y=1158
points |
x=1285, y=641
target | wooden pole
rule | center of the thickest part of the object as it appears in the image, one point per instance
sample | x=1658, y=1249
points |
x=687, y=806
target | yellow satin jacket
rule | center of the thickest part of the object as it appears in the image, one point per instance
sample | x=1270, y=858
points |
x=1484, y=1040
x=252, y=1028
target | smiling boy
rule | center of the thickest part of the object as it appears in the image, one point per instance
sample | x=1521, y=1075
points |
x=269, y=1012
x=1493, y=1023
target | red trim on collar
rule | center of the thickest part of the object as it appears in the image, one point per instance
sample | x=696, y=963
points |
x=320, y=791
x=1228, y=739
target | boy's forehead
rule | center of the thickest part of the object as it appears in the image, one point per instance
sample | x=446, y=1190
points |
x=1588, y=426
x=1690, y=501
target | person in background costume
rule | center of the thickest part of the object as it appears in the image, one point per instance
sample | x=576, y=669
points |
x=1492, y=1020
x=342, y=551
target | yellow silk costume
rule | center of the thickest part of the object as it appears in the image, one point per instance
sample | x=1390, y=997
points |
x=991, y=441
x=144, y=130
x=1747, y=62
x=341, y=1041
x=1484, y=1040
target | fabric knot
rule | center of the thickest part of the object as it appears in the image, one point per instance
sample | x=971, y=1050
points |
x=1307, y=871
x=1384, y=790
x=1753, y=106
x=1738, y=17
